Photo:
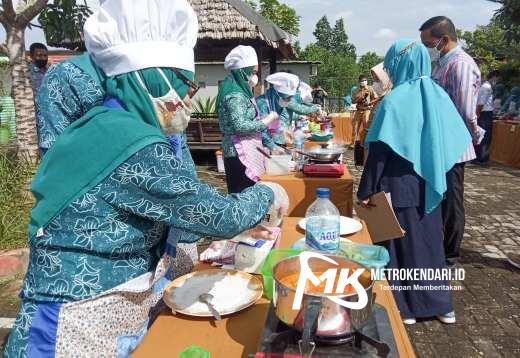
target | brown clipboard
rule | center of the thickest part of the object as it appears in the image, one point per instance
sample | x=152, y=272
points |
x=380, y=218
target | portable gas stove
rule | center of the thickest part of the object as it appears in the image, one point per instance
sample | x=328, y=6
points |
x=332, y=170
x=375, y=339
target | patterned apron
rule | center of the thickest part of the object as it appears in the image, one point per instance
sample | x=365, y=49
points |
x=246, y=146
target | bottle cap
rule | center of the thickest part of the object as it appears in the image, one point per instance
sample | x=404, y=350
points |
x=323, y=192
x=194, y=352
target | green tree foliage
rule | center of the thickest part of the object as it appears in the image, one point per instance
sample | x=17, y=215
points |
x=337, y=73
x=508, y=18
x=62, y=22
x=497, y=46
x=252, y=3
x=486, y=45
x=282, y=15
x=339, y=70
x=333, y=39
x=339, y=40
x=367, y=61
x=323, y=33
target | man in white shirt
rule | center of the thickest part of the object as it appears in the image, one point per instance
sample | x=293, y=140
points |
x=485, y=109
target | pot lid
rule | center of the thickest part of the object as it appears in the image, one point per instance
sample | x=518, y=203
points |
x=318, y=150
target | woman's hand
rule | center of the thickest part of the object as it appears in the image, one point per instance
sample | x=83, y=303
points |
x=277, y=151
x=271, y=117
x=288, y=136
x=366, y=203
x=260, y=232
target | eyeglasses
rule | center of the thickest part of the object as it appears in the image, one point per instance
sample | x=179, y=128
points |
x=406, y=48
x=193, y=88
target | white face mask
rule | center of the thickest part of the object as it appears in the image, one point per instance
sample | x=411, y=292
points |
x=363, y=83
x=253, y=81
x=171, y=111
x=435, y=54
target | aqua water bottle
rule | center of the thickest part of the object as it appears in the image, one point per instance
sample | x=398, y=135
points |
x=299, y=140
x=322, y=226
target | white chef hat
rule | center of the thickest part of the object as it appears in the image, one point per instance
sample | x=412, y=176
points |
x=305, y=92
x=241, y=57
x=130, y=35
x=284, y=82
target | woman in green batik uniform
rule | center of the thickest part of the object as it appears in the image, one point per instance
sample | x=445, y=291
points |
x=277, y=98
x=239, y=120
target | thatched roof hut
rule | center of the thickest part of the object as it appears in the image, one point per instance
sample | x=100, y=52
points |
x=224, y=24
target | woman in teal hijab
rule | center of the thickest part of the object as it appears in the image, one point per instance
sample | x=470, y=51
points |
x=68, y=91
x=347, y=100
x=416, y=137
x=109, y=189
x=277, y=98
x=240, y=121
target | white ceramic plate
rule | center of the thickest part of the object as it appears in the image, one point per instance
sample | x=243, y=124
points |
x=300, y=244
x=347, y=225
x=232, y=291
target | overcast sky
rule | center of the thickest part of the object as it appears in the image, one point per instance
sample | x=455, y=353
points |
x=372, y=25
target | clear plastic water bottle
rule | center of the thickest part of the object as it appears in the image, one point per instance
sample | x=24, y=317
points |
x=322, y=224
x=299, y=139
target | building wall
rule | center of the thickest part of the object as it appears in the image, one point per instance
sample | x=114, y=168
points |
x=210, y=74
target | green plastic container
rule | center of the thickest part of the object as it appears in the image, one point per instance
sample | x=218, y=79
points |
x=194, y=352
x=272, y=259
x=321, y=138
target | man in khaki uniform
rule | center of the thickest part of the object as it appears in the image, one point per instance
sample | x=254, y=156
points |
x=364, y=99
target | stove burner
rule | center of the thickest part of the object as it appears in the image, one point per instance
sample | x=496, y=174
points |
x=376, y=334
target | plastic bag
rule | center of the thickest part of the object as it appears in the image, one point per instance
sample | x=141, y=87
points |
x=272, y=259
x=220, y=252
x=371, y=256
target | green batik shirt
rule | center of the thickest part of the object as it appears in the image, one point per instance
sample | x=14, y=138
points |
x=237, y=115
x=117, y=230
x=267, y=103
x=297, y=108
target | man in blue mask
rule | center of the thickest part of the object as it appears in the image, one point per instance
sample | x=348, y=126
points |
x=459, y=75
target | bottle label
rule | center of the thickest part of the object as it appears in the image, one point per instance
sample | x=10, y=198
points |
x=322, y=233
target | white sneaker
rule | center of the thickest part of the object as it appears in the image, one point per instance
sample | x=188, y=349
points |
x=409, y=321
x=448, y=318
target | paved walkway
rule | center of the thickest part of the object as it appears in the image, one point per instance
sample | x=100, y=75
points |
x=488, y=308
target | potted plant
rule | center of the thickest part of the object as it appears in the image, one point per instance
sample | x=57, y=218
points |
x=204, y=107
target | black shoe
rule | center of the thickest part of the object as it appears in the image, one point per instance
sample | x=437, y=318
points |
x=451, y=262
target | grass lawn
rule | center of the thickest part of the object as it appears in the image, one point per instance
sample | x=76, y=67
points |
x=15, y=200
